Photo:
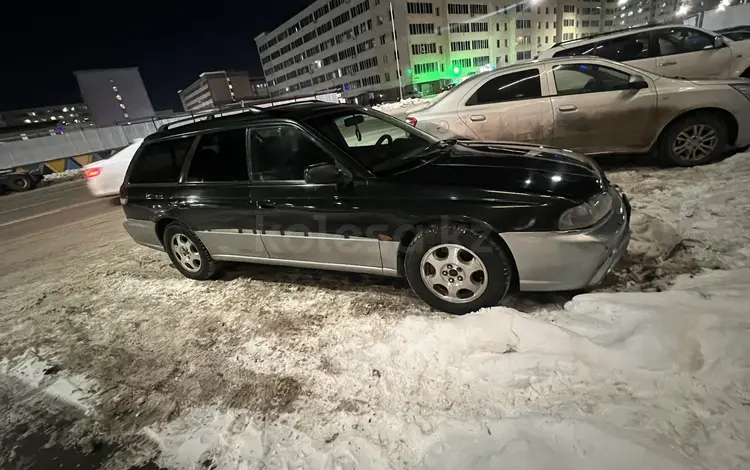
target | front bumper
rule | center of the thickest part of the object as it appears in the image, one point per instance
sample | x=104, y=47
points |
x=558, y=261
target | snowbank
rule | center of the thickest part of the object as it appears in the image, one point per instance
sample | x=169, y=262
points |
x=618, y=381
x=686, y=219
x=408, y=102
x=61, y=177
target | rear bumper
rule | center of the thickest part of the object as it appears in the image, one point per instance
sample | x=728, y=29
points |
x=143, y=232
x=558, y=261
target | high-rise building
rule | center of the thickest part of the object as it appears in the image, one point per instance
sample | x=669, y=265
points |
x=221, y=88
x=351, y=45
x=62, y=115
x=114, y=96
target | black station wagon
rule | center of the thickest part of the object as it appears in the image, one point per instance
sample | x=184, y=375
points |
x=341, y=187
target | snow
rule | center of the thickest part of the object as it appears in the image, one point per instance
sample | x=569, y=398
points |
x=63, y=176
x=33, y=370
x=619, y=380
x=402, y=108
x=278, y=368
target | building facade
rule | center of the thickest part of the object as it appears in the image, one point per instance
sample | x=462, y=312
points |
x=62, y=115
x=221, y=88
x=350, y=44
x=114, y=96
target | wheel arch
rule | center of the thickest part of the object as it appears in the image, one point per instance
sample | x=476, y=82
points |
x=407, y=236
x=161, y=225
x=723, y=114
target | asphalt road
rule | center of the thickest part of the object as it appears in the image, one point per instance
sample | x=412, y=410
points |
x=22, y=214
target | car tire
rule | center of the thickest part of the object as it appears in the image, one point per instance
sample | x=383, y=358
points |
x=690, y=131
x=438, y=256
x=21, y=183
x=188, y=253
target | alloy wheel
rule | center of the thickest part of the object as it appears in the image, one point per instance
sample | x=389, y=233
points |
x=186, y=252
x=454, y=273
x=695, y=143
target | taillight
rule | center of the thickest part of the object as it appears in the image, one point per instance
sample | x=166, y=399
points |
x=412, y=121
x=92, y=172
x=123, y=194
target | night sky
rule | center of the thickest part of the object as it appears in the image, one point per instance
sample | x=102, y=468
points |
x=171, y=42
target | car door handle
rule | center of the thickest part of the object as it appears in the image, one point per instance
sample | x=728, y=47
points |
x=266, y=204
x=478, y=118
x=566, y=108
x=667, y=63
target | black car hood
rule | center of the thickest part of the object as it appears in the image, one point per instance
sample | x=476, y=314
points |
x=512, y=167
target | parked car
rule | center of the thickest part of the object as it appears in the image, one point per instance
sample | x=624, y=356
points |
x=669, y=50
x=736, y=33
x=104, y=177
x=347, y=188
x=595, y=106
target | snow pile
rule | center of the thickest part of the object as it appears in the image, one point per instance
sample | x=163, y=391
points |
x=63, y=176
x=619, y=380
x=686, y=219
x=401, y=108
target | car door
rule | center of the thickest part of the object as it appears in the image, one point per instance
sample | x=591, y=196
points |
x=509, y=106
x=690, y=53
x=313, y=225
x=214, y=198
x=596, y=111
x=636, y=49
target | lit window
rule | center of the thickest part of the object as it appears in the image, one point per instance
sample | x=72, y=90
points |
x=118, y=97
x=27, y=121
x=122, y=105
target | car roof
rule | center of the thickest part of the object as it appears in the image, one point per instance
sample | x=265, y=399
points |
x=614, y=34
x=214, y=121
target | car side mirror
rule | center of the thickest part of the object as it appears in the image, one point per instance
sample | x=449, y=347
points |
x=637, y=82
x=719, y=42
x=322, y=173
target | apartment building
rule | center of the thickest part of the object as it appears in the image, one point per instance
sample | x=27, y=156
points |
x=114, y=96
x=221, y=88
x=350, y=44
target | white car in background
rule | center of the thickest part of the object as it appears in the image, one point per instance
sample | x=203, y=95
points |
x=105, y=177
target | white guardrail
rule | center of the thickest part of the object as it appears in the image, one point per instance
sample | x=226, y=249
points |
x=85, y=141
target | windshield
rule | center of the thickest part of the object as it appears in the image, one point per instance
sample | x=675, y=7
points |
x=377, y=141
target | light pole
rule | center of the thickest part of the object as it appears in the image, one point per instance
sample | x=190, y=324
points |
x=395, y=48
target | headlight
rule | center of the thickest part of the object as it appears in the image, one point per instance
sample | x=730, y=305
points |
x=586, y=214
x=744, y=89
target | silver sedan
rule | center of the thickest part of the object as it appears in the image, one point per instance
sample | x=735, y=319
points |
x=595, y=106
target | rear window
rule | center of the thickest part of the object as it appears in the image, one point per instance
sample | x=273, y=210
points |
x=161, y=162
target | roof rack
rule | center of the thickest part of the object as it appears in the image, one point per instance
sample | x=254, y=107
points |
x=632, y=28
x=209, y=116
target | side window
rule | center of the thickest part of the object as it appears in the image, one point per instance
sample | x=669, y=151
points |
x=283, y=153
x=683, y=40
x=161, y=162
x=509, y=87
x=220, y=156
x=573, y=79
x=588, y=49
x=632, y=47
